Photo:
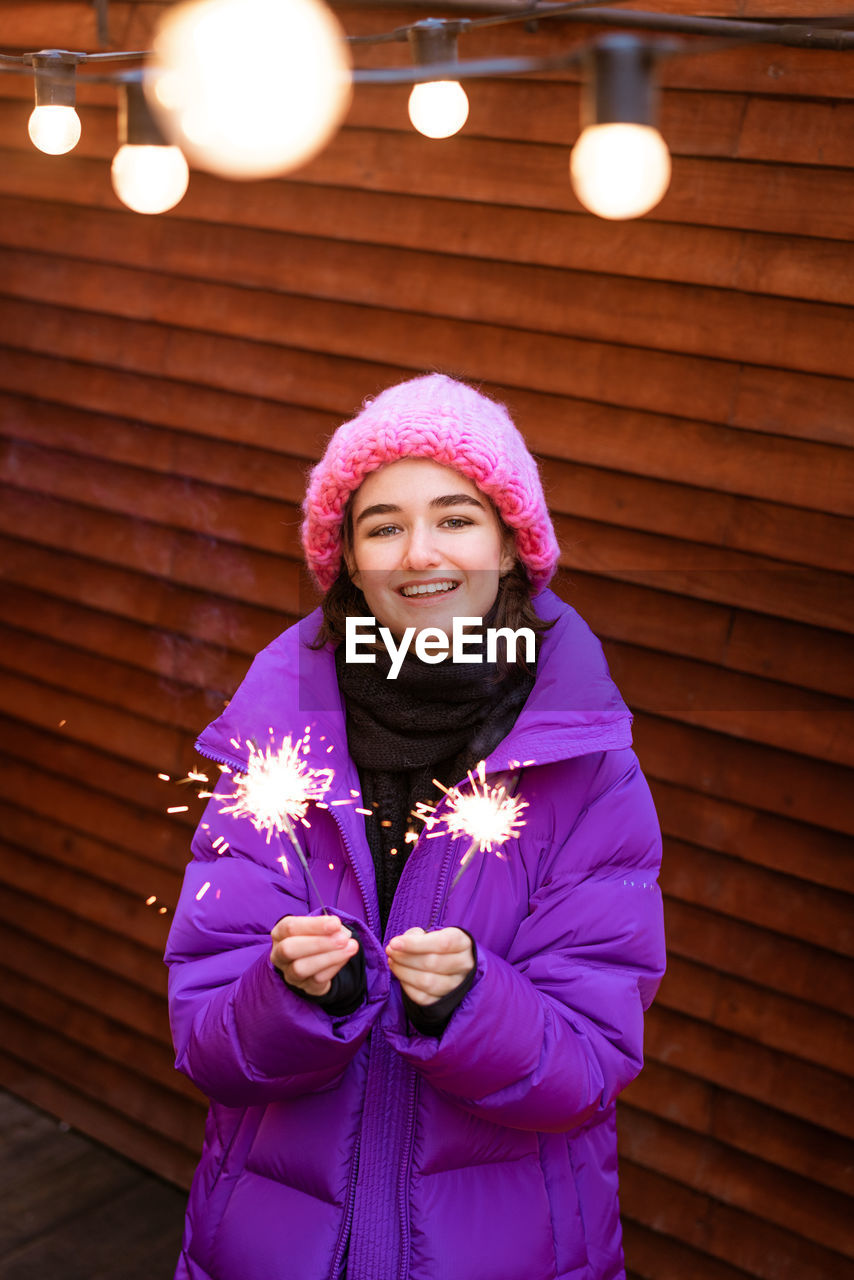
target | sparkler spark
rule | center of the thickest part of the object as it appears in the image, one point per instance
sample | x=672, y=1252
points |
x=277, y=786
x=275, y=791
x=486, y=814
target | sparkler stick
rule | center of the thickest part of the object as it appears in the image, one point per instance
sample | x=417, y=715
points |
x=488, y=815
x=289, y=831
x=276, y=789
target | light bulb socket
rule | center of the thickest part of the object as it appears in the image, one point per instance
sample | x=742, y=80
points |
x=621, y=86
x=433, y=40
x=54, y=77
x=137, y=126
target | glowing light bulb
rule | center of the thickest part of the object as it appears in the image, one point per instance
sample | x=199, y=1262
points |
x=54, y=129
x=149, y=179
x=249, y=88
x=438, y=108
x=620, y=170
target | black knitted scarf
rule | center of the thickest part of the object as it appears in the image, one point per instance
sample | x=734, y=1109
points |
x=430, y=722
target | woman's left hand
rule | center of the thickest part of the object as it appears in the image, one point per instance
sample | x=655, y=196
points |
x=430, y=965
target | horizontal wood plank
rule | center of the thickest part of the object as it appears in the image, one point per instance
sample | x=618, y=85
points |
x=766, y=839
x=249, y=577
x=779, y=782
x=165, y=1156
x=191, y=663
x=731, y=1235
x=104, y=680
x=180, y=616
x=772, y=69
x=653, y=1256
x=751, y=397
x=738, y=1065
x=735, y=639
x=799, y=1030
x=705, y=122
x=744, y=772
x=771, y=1195
x=136, y=966
x=116, y=911
x=819, y=974
x=727, y=193
x=134, y=883
x=759, y=711
x=89, y=1028
x=720, y=324
x=115, y=1085
x=744, y=1124
x=97, y=793
x=751, y=582
x=76, y=979
x=255, y=577
x=752, y=262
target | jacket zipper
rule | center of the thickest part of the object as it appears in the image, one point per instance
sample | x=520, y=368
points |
x=348, y=1211
x=356, y=872
x=238, y=765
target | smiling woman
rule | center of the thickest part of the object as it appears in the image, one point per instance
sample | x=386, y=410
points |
x=421, y=1081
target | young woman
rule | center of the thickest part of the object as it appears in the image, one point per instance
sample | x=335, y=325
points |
x=413, y=1068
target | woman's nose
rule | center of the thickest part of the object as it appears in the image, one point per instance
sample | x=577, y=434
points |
x=420, y=551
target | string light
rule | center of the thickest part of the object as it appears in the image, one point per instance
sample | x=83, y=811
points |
x=54, y=125
x=249, y=88
x=437, y=108
x=204, y=86
x=620, y=165
x=148, y=175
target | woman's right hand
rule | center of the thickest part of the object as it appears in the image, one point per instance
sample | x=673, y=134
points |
x=309, y=950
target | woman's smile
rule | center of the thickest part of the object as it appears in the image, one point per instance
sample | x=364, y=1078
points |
x=422, y=591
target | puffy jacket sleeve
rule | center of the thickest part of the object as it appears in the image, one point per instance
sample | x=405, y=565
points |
x=553, y=1030
x=240, y=1034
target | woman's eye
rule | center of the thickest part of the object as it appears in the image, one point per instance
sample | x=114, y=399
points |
x=457, y=522
x=383, y=529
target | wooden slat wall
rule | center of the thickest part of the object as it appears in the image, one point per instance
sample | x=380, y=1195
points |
x=165, y=383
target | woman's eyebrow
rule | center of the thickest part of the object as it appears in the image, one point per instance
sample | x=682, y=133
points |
x=456, y=500
x=446, y=500
x=379, y=509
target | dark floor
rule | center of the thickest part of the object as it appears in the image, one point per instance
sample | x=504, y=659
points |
x=72, y=1210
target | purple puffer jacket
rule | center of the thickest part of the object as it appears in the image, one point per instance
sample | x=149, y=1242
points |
x=486, y=1154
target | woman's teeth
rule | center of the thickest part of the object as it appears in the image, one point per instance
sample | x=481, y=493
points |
x=428, y=589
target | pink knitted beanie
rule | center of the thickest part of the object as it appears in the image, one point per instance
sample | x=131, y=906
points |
x=431, y=417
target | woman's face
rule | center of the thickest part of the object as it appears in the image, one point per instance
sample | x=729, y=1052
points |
x=427, y=546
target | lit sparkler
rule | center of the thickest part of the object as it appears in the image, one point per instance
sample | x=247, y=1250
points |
x=275, y=791
x=486, y=814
